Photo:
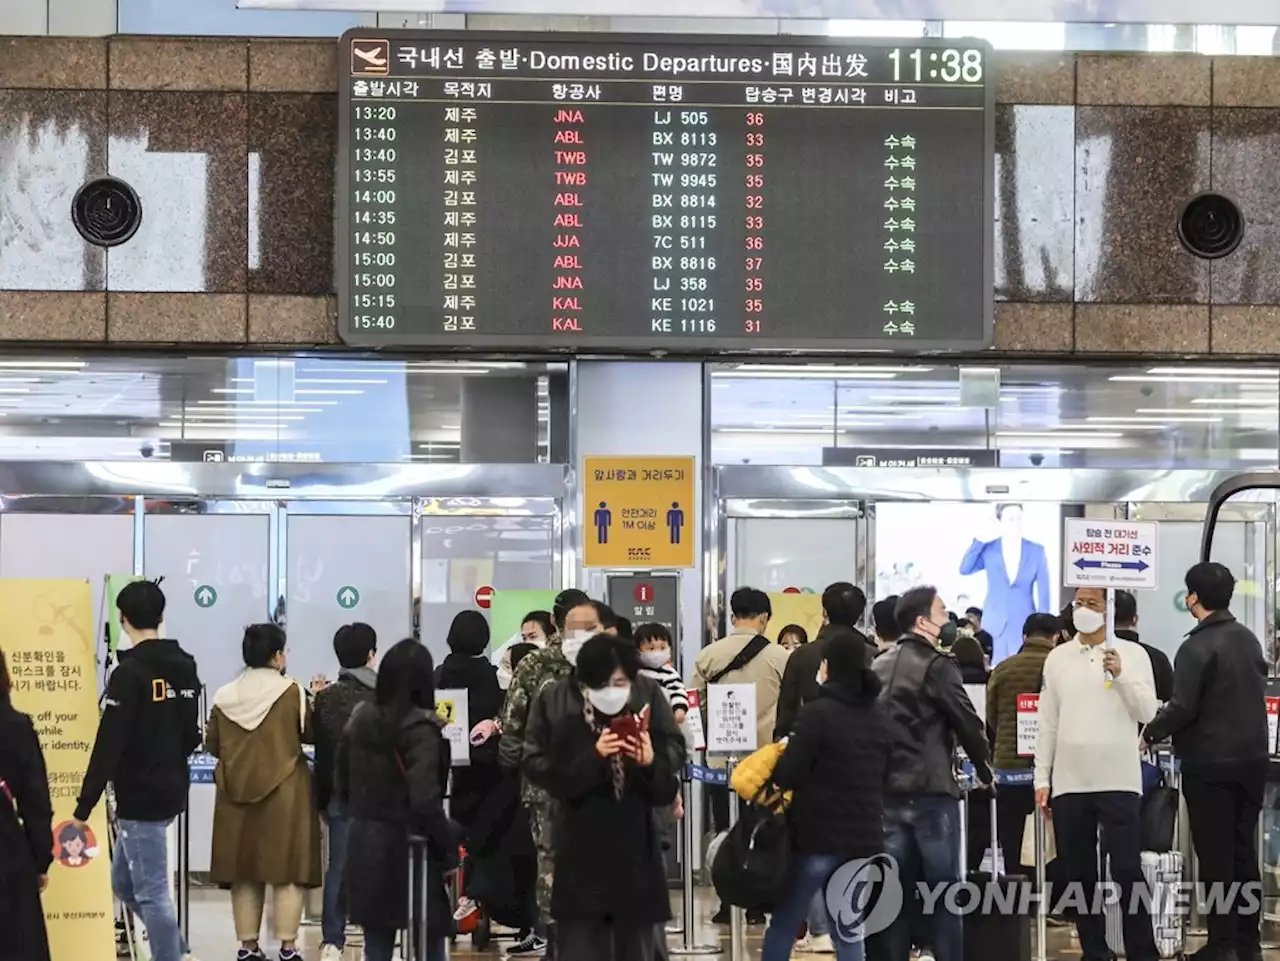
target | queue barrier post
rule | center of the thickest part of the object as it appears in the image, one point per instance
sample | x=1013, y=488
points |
x=737, y=916
x=1042, y=887
x=689, y=946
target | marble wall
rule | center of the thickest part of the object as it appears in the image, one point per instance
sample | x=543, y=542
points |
x=231, y=145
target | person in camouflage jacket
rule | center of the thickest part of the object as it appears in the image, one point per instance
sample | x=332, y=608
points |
x=537, y=671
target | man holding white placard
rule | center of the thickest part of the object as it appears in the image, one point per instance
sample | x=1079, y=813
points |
x=1096, y=691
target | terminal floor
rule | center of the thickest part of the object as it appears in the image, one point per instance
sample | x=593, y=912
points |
x=212, y=937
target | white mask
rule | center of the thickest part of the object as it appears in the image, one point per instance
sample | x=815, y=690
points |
x=609, y=700
x=1087, y=620
x=572, y=644
x=504, y=676
x=655, y=659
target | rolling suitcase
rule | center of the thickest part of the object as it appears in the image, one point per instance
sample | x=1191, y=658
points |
x=1000, y=928
x=413, y=941
x=1163, y=876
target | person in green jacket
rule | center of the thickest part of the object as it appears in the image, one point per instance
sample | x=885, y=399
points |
x=1019, y=674
x=539, y=670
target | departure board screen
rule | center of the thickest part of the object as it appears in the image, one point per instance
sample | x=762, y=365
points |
x=664, y=194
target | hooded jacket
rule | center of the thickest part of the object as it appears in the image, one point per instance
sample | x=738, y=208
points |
x=150, y=727
x=333, y=708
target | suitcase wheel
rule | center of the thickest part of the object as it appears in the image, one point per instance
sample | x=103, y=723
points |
x=482, y=936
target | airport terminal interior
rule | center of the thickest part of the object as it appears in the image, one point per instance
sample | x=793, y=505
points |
x=260, y=340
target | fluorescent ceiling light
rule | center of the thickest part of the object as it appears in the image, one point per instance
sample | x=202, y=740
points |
x=231, y=390
x=1163, y=418
x=15, y=390
x=1055, y=435
x=327, y=391
x=1160, y=379
x=46, y=364
x=1238, y=401
x=234, y=404
x=800, y=373
x=336, y=380
x=837, y=368
x=1216, y=371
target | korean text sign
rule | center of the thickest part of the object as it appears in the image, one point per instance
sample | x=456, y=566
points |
x=639, y=511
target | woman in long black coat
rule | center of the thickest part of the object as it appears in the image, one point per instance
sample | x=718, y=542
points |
x=26, y=834
x=610, y=894
x=467, y=667
x=391, y=769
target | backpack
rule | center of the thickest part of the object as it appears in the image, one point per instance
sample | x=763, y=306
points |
x=752, y=865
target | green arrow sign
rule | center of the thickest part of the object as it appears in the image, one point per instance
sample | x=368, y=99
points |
x=348, y=597
x=206, y=595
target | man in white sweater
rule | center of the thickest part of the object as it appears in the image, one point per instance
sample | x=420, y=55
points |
x=1096, y=695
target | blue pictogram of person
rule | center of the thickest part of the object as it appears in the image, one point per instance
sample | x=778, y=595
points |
x=603, y=519
x=675, y=521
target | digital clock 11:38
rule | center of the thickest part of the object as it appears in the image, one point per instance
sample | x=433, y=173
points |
x=949, y=65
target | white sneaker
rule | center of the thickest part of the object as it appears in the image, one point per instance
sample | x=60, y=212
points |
x=815, y=944
x=330, y=952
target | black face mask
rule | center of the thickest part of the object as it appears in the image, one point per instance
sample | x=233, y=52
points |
x=947, y=634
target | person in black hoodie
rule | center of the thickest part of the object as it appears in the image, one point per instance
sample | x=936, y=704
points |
x=610, y=894
x=467, y=667
x=26, y=833
x=834, y=763
x=150, y=727
x=1217, y=717
x=842, y=607
x=391, y=771
x=356, y=645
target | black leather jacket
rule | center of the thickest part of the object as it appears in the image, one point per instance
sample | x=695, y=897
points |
x=928, y=711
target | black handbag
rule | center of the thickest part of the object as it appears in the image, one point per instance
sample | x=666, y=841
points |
x=1159, y=818
x=752, y=866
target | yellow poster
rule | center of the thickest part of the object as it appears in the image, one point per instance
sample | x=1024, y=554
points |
x=639, y=511
x=49, y=646
x=802, y=609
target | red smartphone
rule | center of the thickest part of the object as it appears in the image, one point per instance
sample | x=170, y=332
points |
x=630, y=726
x=625, y=726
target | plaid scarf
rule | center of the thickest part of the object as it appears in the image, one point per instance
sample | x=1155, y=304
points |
x=617, y=773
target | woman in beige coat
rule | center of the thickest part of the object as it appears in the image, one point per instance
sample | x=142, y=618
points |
x=265, y=827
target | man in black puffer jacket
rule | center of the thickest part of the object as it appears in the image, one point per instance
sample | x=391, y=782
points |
x=1218, y=720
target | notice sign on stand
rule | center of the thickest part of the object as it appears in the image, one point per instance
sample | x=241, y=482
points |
x=694, y=734
x=452, y=706
x=1028, y=724
x=731, y=724
x=1110, y=554
x=1273, y=724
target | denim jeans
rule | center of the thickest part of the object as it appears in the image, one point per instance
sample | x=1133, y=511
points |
x=922, y=833
x=816, y=918
x=380, y=945
x=333, y=925
x=140, y=880
x=812, y=871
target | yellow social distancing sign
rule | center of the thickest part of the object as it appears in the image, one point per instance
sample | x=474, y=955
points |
x=639, y=511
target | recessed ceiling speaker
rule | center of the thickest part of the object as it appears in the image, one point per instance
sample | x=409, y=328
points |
x=1210, y=226
x=106, y=212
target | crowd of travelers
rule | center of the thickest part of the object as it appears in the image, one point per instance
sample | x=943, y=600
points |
x=560, y=825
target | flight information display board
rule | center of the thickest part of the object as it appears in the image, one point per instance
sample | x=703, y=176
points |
x=677, y=194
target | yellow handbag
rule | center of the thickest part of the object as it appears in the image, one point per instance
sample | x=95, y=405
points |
x=752, y=777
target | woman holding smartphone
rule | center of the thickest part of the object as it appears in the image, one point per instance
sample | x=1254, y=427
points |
x=605, y=744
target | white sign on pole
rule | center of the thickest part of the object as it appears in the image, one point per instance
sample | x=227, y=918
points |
x=1110, y=554
x=1028, y=706
x=731, y=721
x=452, y=706
x=694, y=734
